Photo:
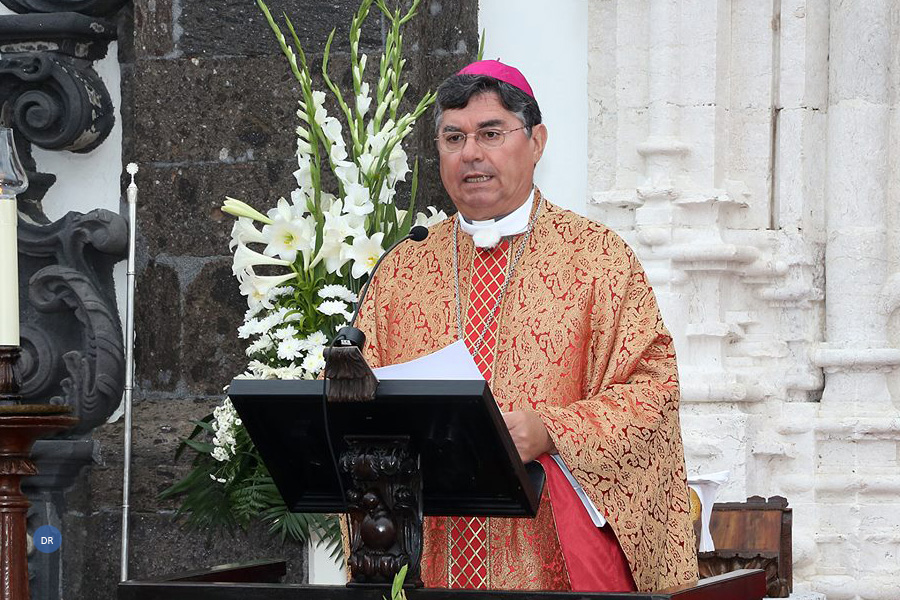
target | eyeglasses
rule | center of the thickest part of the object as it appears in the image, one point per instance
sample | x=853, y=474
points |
x=488, y=137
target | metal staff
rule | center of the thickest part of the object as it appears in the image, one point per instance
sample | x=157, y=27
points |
x=131, y=193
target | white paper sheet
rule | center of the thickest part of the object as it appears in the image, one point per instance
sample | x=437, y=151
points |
x=450, y=362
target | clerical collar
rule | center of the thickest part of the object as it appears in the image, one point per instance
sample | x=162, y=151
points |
x=487, y=234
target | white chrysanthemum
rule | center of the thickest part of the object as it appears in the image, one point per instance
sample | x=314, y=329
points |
x=260, y=370
x=288, y=331
x=333, y=307
x=260, y=345
x=289, y=349
x=252, y=327
x=364, y=253
x=336, y=291
x=291, y=371
x=315, y=360
x=317, y=339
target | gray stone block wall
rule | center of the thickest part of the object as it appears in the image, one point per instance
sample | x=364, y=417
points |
x=208, y=109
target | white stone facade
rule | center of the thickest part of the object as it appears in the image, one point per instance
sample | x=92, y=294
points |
x=749, y=153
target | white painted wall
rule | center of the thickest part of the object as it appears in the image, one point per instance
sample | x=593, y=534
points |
x=550, y=48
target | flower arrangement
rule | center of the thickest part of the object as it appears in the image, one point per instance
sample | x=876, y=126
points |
x=302, y=263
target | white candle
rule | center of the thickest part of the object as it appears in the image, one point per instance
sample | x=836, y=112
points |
x=9, y=273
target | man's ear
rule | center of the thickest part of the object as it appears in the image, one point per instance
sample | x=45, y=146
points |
x=539, y=140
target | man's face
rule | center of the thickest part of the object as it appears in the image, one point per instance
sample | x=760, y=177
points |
x=485, y=183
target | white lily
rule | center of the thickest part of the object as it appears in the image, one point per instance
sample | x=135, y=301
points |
x=243, y=231
x=289, y=233
x=436, y=217
x=364, y=253
x=258, y=288
x=245, y=259
x=239, y=208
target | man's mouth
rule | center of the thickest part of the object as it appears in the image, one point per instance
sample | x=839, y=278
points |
x=477, y=178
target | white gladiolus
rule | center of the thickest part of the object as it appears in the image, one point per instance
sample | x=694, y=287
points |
x=364, y=253
x=386, y=195
x=347, y=172
x=303, y=147
x=363, y=100
x=319, y=113
x=398, y=166
x=303, y=175
x=338, y=153
x=366, y=162
x=357, y=201
x=331, y=127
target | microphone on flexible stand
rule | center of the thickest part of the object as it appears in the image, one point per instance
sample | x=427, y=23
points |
x=350, y=335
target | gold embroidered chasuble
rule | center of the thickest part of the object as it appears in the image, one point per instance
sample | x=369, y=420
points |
x=580, y=342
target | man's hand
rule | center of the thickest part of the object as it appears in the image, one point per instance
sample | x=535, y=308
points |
x=528, y=434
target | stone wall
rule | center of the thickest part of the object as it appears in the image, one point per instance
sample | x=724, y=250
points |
x=748, y=152
x=208, y=110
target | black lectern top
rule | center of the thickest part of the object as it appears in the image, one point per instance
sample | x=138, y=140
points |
x=469, y=463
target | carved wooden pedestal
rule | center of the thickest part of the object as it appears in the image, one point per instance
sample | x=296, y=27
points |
x=385, y=508
x=20, y=426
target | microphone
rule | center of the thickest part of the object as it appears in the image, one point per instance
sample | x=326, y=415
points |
x=350, y=335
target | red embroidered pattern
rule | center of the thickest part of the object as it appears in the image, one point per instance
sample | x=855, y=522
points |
x=469, y=535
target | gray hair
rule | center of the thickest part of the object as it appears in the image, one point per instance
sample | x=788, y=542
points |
x=457, y=90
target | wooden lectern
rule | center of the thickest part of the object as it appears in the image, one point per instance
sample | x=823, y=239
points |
x=387, y=453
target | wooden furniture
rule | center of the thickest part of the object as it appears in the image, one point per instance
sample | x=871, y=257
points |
x=220, y=584
x=20, y=426
x=755, y=534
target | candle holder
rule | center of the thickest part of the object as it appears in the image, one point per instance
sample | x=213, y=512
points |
x=13, y=181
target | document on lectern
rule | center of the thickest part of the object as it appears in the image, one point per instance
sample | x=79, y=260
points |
x=453, y=362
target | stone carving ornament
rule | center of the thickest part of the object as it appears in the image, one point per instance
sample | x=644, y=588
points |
x=51, y=94
x=86, y=7
x=72, y=348
x=76, y=361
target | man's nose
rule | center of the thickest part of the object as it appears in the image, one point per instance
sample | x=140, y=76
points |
x=471, y=149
